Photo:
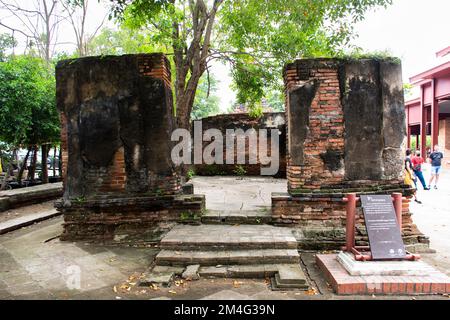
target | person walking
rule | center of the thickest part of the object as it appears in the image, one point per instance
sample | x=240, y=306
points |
x=417, y=162
x=409, y=175
x=436, y=163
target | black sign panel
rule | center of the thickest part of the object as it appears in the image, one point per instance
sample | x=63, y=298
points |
x=381, y=223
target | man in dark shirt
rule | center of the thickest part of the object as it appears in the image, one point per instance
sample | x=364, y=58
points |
x=436, y=163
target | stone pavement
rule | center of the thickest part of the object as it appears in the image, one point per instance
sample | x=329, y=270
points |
x=20, y=197
x=238, y=194
x=36, y=265
x=433, y=219
x=27, y=220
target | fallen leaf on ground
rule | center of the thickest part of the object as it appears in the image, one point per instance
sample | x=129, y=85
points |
x=237, y=284
x=179, y=283
x=311, y=292
x=115, y=289
x=172, y=292
x=125, y=287
x=154, y=287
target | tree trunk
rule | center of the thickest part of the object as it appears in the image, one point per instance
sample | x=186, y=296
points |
x=54, y=161
x=32, y=172
x=8, y=172
x=7, y=175
x=44, y=157
x=60, y=163
x=23, y=166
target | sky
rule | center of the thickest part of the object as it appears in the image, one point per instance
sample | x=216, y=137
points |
x=413, y=30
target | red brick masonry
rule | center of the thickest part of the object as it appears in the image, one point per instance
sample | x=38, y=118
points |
x=345, y=284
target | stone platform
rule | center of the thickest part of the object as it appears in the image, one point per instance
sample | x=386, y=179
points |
x=383, y=268
x=344, y=283
x=16, y=198
x=225, y=251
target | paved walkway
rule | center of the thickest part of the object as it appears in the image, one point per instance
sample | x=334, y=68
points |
x=24, y=196
x=26, y=220
x=238, y=194
x=36, y=265
x=433, y=219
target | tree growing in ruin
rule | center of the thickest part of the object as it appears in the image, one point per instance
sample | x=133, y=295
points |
x=255, y=37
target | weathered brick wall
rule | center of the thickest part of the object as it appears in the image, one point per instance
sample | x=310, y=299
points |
x=120, y=88
x=325, y=135
x=268, y=121
x=346, y=134
x=322, y=219
x=117, y=118
x=128, y=220
x=345, y=122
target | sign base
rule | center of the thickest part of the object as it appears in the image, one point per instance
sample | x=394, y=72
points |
x=343, y=283
x=382, y=268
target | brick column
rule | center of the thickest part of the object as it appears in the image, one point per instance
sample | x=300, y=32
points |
x=117, y=119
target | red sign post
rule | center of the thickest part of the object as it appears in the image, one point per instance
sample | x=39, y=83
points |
x=362, y=253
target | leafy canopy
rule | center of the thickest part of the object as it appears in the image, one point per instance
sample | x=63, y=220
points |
x=256, y=37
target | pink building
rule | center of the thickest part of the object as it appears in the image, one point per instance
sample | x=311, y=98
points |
x=429, y=114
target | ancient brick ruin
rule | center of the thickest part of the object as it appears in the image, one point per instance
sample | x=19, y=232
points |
x=268, y=121
x=346, y=133
x=117, y=119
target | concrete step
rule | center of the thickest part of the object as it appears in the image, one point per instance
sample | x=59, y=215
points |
x=28, y=220
x=227, y=237
x=278, y=285
x=237, y=217
x=235, y=257
x=252, y=271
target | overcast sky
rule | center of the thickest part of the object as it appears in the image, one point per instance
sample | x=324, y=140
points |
x=413, y=30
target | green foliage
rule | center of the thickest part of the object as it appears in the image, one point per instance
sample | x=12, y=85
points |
x=376, y=55
x=408, y=90
x=190, y=174
x=275, y=100
x=212, y=170
x=123, y=41
x=206, y=100
x=189, y=216
x=413, y=145
x=239, y=170
x=80, y=200
x=256, y=110
x=28, y=113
